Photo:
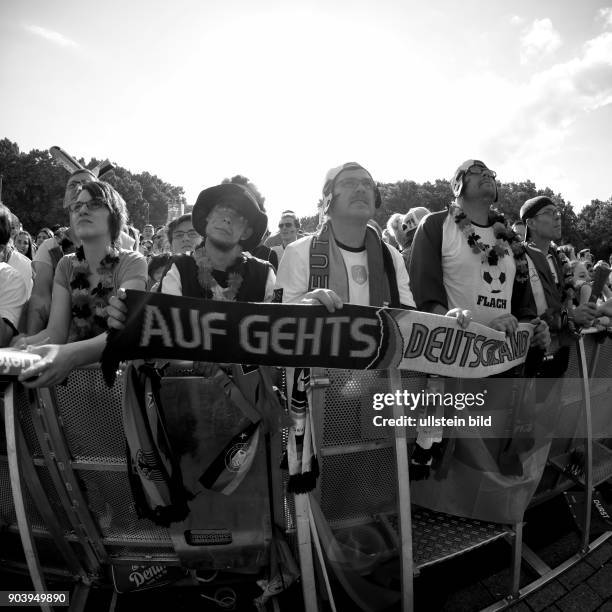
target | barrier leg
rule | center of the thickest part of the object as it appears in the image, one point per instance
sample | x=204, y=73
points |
x=517, y=554
x=321, y=558
x=588, y=446
x=78, y=597
x=25, y=531
x=403, y=501
x=309, y=591
x=44, y=509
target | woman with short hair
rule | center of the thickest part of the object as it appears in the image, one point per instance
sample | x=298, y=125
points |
x=83, y=283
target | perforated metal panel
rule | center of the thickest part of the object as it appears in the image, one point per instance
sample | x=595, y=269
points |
x=357, y=459
x=90, y=413
x=7, y=507
x=110, y=501
x=356, y=486
x=347, y=417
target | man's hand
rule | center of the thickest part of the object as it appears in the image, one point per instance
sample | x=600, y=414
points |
x=330, y=299
x=541, y=334
x=506, y=323
x=585, y=314
x=117, y=310
x=464, y=317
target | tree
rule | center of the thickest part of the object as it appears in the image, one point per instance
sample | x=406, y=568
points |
x=33, y=188
x=595, y=227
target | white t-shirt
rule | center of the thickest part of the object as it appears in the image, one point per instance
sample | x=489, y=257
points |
x=24, y=266
x=14, y=294
x=471, y=283
x=294, y=274
x=42, y=252
x=279, y=250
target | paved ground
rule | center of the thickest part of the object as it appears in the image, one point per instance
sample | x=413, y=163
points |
x=468, y=583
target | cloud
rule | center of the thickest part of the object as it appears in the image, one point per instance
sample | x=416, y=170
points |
x=50, y=35
x=515, y=20
x=539, y=39
x=605, y=14
x=540, y=112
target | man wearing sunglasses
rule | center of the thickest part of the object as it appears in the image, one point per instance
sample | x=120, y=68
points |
x=346, y=261
x=458, y=268
x=288, y=227
x=543, y=222
x=467, y=263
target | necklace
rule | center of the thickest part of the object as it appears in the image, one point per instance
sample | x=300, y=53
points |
x=89, y=306
x=207, y=281
x=492, y=254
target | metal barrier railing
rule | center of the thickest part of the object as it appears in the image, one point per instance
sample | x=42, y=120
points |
x=73, y=438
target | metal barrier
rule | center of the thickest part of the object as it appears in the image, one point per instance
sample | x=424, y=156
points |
x=67, y=444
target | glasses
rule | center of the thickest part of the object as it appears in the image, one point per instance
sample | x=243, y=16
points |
x=224, y=212
x=191, y=234
x=94, y=204
x=353, y=183
x=481, y=170
x=554, y=213
x=287, y=225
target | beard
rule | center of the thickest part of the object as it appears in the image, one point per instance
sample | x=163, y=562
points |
x=221, y=245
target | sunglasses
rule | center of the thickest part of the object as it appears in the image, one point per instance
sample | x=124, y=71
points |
x=353, y=183
x=481, y=170
x=555, y=214
x=287, y=225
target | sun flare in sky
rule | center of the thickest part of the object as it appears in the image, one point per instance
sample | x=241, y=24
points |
x=281, y=91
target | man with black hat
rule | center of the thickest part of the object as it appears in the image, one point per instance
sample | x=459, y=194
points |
x=346, y=261
x=547, y=272
x=231, y=222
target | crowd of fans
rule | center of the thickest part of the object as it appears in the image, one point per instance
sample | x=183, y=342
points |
x=161, y=247
x=62, y=292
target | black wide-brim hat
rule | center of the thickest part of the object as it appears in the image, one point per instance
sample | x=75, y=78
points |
x=237, y=197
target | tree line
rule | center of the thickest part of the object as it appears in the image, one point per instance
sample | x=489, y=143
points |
x=590, y=228
x=33, y=188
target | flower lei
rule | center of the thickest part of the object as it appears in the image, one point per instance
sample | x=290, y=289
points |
x=89, y=307
x=502, y=233
x=212, y=288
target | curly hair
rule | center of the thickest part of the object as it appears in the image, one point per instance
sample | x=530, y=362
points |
x=116, y=205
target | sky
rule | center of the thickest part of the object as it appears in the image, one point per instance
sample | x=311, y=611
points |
x=281, y=91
